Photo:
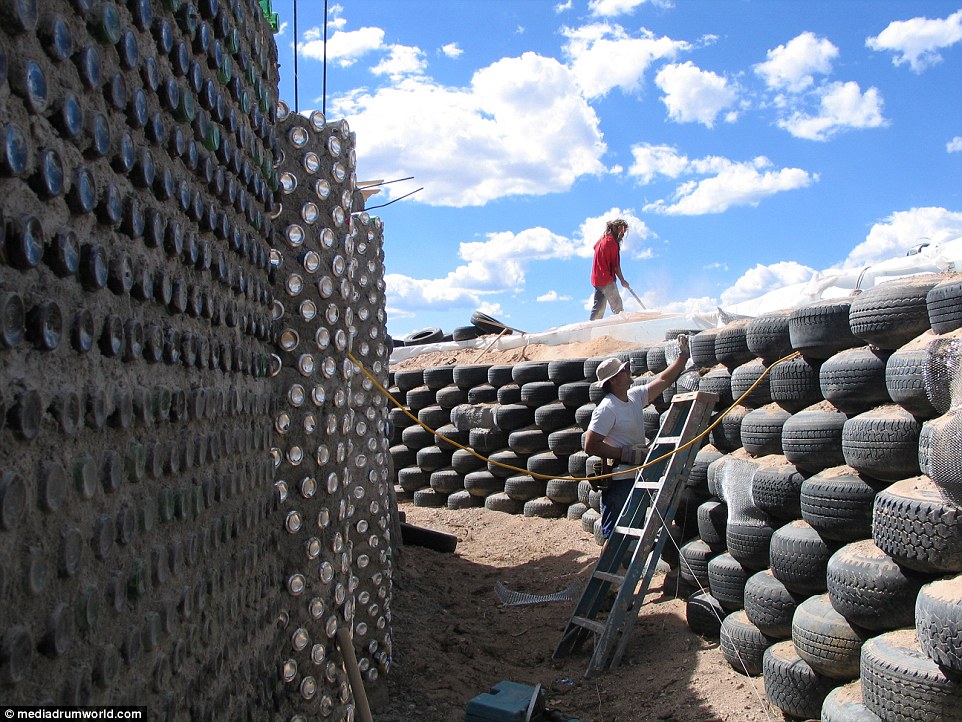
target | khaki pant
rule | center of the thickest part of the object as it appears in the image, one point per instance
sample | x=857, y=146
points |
x=606, y=296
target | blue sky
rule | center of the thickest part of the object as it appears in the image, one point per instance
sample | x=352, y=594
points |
x=749, y=143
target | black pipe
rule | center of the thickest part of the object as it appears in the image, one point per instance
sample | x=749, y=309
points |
x=324, y=83
x=296, y=105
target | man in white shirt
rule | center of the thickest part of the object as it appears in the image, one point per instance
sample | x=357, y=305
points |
x=617, y=428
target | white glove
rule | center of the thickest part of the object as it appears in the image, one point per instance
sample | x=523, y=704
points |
x=634, y=455
x=683, y=345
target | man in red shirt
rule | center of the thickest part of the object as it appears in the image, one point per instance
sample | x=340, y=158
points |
x=606, y=267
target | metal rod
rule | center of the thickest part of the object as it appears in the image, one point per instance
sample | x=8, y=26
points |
x=324, y=83
x=401, y=198
x=384, y=183
x=296, y=106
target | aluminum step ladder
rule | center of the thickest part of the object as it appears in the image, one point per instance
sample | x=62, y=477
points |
x=650, y=507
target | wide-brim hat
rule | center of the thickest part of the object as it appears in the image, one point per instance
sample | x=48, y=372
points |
x=608, y=369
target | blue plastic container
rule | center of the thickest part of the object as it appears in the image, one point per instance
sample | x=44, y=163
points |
x=505, y=702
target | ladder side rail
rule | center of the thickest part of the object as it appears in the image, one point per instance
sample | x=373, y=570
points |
x=649, y=571
x=593, y=596
x=695, y=421
x=675, y=418
x=663, y=509
x=642, y=510
x=649, y=548
x=646, y=542
x=596, y=587
x=622, y=625
x=666, y=497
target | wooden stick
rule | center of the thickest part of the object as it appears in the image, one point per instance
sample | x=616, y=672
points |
x=488, y=347
x=346, y=645
x=632, y=292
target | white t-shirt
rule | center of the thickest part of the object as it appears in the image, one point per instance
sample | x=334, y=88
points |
x=622, y=423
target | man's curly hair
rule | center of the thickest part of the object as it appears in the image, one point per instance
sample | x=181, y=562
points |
x=612, y=226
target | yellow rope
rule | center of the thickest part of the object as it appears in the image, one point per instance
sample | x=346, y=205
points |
x=535, y=475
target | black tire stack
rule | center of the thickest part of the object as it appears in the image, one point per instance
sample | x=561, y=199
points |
x=526, y=419
x=852, y=600
x=481, y=325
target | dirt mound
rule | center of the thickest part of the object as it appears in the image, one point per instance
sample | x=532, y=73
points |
x=601, y=346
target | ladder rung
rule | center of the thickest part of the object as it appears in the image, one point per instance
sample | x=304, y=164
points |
x=596, y=627
x=688, y=414
x=609, y=577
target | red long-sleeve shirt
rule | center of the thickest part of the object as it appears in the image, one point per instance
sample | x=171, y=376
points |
x=607, y=259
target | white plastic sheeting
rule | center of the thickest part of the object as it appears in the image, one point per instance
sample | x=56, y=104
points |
x=640, y=327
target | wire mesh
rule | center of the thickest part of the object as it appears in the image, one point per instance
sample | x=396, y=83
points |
x=733, y=479
x=512, y=598
x=941, y=441
x=942, y=376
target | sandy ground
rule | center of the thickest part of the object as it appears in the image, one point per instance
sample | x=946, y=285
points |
x=455, y=640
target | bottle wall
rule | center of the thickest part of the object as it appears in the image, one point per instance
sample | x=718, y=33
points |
x=146, y=555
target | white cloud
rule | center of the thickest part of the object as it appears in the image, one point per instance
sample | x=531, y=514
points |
x=335, y=19
x=813, y=108
x=664, y=160
x=591, y=49
x=551, y=297
x=492, y=266
x=343, y=47
x=405, y=295
x=609, y=8
x=657, y=160
x=918, y=41
x=562, y=6
x=954, y=145
x=693, y=94
x=761, y=279
x=402, y=60
x=726, y=183
x=521, y=127
x=281, y=30
x=494, y=309
x=841, y=106
x=792, y=66
x=452, y=50
x=632, y=246
x=903, y=230
x=687, y=307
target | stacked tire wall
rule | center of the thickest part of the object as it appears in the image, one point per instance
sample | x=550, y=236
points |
x=156, y=454
x=830, y=546
x=527, y=420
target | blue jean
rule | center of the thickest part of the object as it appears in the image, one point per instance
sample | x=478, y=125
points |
x=612, y=500
x=606, y=295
